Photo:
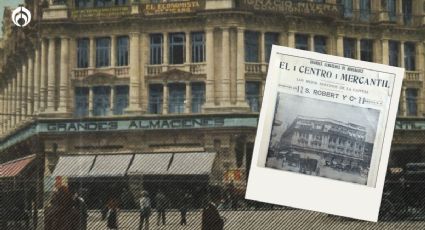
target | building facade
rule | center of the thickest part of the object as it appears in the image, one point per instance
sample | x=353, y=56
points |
x=107, y=77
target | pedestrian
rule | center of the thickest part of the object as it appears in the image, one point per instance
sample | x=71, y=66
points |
x=112, y=215
x=61, y=213
x=81, y=207
x=161, y=205
x=145, y=210
x=211, y=219
x=184, y=207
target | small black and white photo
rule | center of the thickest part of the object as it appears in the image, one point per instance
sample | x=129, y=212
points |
x=322, y=138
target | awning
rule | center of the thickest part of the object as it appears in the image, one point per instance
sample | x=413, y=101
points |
x=192, y=164
x=111, y=165
x=150, y=164
x=15, y=167
x=74, y=166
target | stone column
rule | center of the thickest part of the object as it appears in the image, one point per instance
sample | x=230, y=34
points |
x=90, y=101
x=291, y=39
x=240, y=68
x=385, y=52
x=113, y=51
x=165, y=99
x=10, y=86
x=144, y=60
x=187, y=47
x=51, y=84
x=112, y=100
x=19, y=95
x=92, y=53
x=165, y=57
x=283, y=39
x=340, y=46
x=401, y=61
x=225, y=68
x=14, y=102
x=262, y=47
x=209, y=86
x=1, y=110
x=30, y=88
x=403, y=106
x=311, y=42
x=358, y=49
x=36, y=81
x=399, y=11
x=134, y=92
x=43, y=76
x=8, y=105
x=419, y=56
x=24, y=93
x=64, y=76
x=188, y=99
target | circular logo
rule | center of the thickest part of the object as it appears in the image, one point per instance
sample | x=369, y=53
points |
x=21, y=16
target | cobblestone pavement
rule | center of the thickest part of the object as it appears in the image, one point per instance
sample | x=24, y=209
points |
x=264, y=220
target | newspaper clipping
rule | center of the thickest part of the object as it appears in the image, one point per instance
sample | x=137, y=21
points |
x=326, y=126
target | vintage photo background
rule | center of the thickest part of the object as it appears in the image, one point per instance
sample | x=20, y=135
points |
x=314, y=153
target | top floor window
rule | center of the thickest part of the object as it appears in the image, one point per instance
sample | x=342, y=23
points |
x=177, y=46
x=392, y=12
x=156, y=49
x=122, y=51
x=366, y=50
x=98, y=3
x=251, y=46
x=198, y=47
x=83, y=53
x=365, y=9
x=301, y=41
x=320, y=44
x=349, y=48
x=103, y=3
x=269, y=39
x=407, y=11
x=393, y=52
x=409, y=56
x=348, y=7
x=103, y=52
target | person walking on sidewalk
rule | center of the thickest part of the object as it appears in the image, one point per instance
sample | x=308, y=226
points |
x=145, y=210
x=211, y=219
x=161, y=206
x=184, y=206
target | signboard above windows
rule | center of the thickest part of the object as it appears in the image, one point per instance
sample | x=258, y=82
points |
x=171, y=7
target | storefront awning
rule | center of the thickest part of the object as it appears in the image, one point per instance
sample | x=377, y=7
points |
x=74, y=166
x=110, y=165
x=192, y=164
x=15, y=167
x=150, y=164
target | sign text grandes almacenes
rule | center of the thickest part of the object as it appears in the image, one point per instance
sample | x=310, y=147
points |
x=293, y=7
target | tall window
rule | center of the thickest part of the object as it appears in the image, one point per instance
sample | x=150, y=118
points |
x=407, y=11
x=350, y=48
x=409, y=56
x=365, y=9
x=176, y=98
x=366, y=50
x=121, y=99
x=83, y=53
x=393, y=53
x=103, y=52
x=269, y=40
x=81, y=102
x=101, y=102
x=320, y=44
x=198, y=47
x=412, y=101
x=301, y=41
x=155, y=98
x=177, y=45
x=198, y=96
x=392, y=13
x=348, y=7
x=122, y=51
x=156, y=49
x=253, y=95
x=251, y=46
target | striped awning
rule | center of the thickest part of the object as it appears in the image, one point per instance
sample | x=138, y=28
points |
x=150, y=164
x=111, y=165
x=192, y=163
x=15, y=167
x=74, y=165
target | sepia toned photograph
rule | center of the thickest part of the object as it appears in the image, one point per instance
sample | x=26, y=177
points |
x=320, y=138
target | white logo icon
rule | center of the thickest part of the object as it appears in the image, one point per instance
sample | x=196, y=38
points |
x=21, y=16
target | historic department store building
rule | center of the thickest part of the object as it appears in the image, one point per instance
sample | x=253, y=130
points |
x=170, y=90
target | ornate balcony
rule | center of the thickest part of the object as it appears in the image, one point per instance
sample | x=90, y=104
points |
x=118, y=71
x=194, y=68
x=253, y=68
x=413, y=76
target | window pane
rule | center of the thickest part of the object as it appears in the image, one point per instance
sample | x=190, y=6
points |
x=270, y=39
x=366, y=50
x=176, y=98
x=301, y=41
x=122, y=51
x=81, y=102
x=177, y=48
x=364, y=9
x=121, y=99
x=409, y=56
x=155, y=98
x=407, y=11
x=320, y=44
x=102, y=51
x=253, y=95
x=104, y=3
x=349, y=48
x=348, y=8
x=120, y=2
x=84, y=3
x=156, y=49
x=198, y=96
x=393, y=47
x=251, y=46
x=83, y=53
x=198, y=47
x=391, y=5
x=101, y=102
x=411, y=101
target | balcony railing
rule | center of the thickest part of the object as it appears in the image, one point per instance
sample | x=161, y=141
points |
x=413, y=76
x=118, y=71
x=194, y=68
x=253, y=67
